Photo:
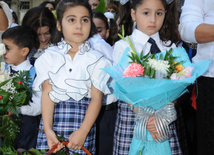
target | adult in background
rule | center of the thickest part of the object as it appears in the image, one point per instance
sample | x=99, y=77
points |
x=42, y=21
x=48, y=5
x=5, y=17
x=197, y=26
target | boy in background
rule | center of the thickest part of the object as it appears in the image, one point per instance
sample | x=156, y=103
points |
x=19, y=41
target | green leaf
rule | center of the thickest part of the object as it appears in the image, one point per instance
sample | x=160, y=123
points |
x=8, y=150
x=123, y=31
x=131, y=58
x=4, y=82
x=161, y=57
x=131, y=45
x=5, y=97
x=10, y=130
x=152, y=75
x=122, y=37
x=141, y=55
x=101, y=7
x=36, y=152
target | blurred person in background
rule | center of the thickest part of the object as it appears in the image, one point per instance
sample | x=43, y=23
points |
x=48, y=5
x=5, y=16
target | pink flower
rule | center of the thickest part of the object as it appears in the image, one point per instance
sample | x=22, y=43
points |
x=133, y=70
x=183, y=74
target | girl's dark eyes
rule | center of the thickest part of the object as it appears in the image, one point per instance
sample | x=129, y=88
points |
x=99, y=31
x=47, y=33
x=85, y=20
x=146, y=13
x=71, y=20
x=159, y=13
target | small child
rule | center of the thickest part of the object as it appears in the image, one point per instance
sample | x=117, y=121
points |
x=106, y=27
x=94, y=4
x=156, y=21
x=19, y=41
x=71, y=81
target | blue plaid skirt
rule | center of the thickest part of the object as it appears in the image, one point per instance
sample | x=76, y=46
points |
x=124, y=129
x=68, y=116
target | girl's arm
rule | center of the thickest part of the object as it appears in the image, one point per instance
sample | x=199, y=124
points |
x=204, y=33
x=77, y=138
x=47, y=116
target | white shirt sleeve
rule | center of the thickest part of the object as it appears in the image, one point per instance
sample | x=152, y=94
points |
x=104, y=48
x=99, y=77
x=34, y=108
x=192, y=15
x=42, y=65
x=119, y=48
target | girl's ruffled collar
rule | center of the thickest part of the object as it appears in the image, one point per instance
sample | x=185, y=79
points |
x=85, y=47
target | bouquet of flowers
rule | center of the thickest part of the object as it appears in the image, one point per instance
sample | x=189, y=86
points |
x=15, y=91
x=152, y=83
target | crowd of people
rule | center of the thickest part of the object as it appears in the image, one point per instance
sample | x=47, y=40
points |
x=66, y=44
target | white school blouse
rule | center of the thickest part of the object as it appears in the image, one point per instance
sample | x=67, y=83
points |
x=72, y=78
x=100, y=45
x=34, y=108
x=140, y=41
x=194, y=13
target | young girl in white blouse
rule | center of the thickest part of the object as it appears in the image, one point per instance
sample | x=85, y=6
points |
x=71, y=81
x=155, y=19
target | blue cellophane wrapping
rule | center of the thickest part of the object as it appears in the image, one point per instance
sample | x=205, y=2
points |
x=141, y=91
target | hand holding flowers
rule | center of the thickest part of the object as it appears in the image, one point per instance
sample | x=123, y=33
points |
x=154, y=66
x=15, y=91
x=144, y=82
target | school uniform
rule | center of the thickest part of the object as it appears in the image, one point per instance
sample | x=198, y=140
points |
x=99, y=44
x=71, y=81
x=125, y=118
x=29, y=114
x=107, y=116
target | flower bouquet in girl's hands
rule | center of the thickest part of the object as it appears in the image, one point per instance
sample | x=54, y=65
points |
x=15, y=91
x=152, y=83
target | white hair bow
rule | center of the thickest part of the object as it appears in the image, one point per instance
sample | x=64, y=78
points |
x=122, y=2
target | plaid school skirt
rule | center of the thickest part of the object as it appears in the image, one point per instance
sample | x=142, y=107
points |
x=124, y=129
x=67, y=118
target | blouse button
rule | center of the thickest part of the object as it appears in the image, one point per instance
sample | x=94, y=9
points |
x=70, y=70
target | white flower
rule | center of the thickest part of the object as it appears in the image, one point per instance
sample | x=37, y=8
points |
x=2, y=67
x=2, y=49
x=159, y=65
x=2, y=78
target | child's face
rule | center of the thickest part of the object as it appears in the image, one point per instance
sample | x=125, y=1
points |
x=101, y=28
x=44, y=36
x=14, y=54
x=49, y=6
x=149, y=16
x=93, y=4
x=76, y=25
